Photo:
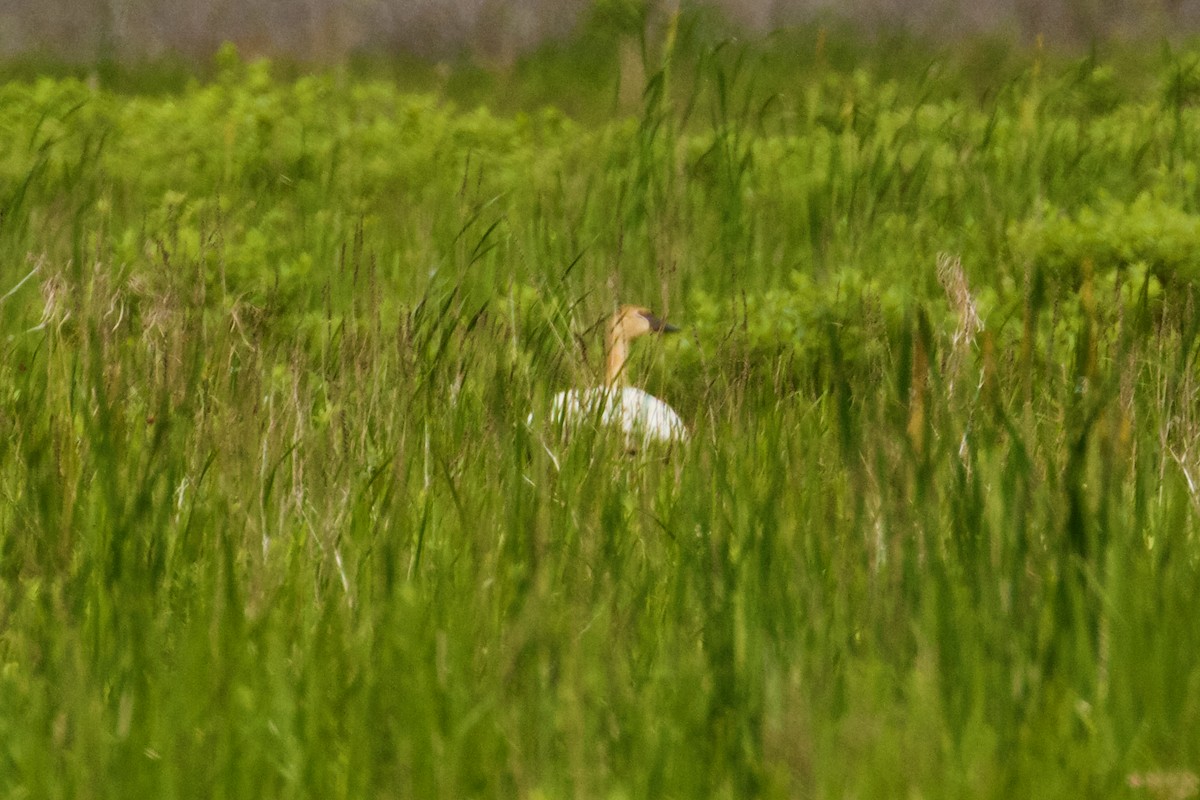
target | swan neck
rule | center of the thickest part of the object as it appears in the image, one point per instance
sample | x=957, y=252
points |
x=618, y=350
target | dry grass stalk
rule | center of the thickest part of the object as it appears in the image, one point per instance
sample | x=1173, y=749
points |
x=954, y=281
x=1179, y=428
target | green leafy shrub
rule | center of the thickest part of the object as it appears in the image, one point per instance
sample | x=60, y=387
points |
x=1148, y=232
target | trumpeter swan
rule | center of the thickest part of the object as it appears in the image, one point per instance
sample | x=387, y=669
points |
x=642, y=417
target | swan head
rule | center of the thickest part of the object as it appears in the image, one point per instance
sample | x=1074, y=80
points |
x=631, y=322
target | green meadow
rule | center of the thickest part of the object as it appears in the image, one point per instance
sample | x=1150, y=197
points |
x=272, y=522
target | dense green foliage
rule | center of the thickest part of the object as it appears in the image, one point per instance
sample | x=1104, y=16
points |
x=272, y=523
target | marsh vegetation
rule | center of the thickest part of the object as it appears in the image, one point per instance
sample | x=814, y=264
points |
x=273, y=523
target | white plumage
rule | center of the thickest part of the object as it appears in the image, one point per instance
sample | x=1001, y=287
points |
x=643, y=418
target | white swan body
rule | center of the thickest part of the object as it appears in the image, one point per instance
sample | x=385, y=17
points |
x=642, y=417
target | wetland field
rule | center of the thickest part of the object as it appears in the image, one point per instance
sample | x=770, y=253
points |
x=272, y=522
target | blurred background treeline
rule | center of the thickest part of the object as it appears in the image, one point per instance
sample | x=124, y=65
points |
x=499, y=31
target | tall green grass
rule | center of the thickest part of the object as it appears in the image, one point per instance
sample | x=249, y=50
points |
x=274, y=525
